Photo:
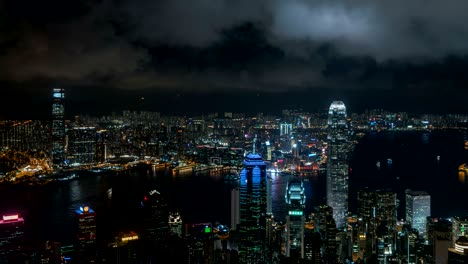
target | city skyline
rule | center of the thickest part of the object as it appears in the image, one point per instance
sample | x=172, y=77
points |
x=301, y=177
x=299, y=54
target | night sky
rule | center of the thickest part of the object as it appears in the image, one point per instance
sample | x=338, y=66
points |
x=195, y=56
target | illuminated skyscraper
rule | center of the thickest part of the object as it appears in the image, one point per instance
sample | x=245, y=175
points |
x=285, y=137
x=295, y=201
x=86, y=234
x=337, y=162
x=11, y=237
x=58, y=126
x=285, y=129
x=378, y=206
x=418, y=208
x=253, y=210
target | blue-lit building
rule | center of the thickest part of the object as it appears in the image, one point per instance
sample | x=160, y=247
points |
x=58, y=126
x=295, y=220
x=253, y=210
x=337, y=162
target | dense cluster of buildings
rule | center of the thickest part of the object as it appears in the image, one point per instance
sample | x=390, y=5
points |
x=294, y=143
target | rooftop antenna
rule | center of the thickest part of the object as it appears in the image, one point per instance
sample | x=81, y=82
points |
x=254, y=143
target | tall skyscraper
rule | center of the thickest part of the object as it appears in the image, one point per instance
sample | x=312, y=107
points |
x=58, y=126
x=253, y=210
x=295, y=202
x=418, y=208
x=11, y=237
x=86, y=234
x=337, y=162
x=155, y=218
x=459, y=228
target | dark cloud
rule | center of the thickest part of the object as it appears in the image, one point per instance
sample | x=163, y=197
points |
x=381, y=29
x=257, y=46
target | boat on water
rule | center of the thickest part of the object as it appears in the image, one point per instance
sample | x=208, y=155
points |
x=231, y=177
x=68, y=177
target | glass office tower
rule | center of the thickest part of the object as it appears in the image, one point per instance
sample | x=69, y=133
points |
x=337, y=162
x=418, y=208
